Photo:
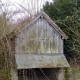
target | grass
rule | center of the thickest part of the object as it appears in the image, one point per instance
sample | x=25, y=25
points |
x=5, y=74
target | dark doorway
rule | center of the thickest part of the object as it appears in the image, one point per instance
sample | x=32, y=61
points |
x=38, y=74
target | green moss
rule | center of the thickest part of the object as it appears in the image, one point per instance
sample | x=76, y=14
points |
x=5, y=74
x=53, y=45
x=66, y=74
x=47, y=44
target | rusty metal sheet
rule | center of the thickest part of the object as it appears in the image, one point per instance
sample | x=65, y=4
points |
x=25, y=61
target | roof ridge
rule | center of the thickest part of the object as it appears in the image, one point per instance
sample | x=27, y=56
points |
x=48, y=19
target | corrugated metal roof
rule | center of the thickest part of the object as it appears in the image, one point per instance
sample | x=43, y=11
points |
x=26, y=61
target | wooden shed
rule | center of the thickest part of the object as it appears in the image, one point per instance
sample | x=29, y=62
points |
x=38, y=50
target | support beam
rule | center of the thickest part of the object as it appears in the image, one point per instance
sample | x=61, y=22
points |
x=61, y=74
x=14, y=74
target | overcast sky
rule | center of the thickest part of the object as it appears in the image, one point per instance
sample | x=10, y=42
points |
x=28, y=4
x=23, y=6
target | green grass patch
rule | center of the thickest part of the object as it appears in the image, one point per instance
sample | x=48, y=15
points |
x=5, y=74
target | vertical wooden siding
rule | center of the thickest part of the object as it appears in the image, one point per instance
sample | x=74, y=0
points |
x=39, y=37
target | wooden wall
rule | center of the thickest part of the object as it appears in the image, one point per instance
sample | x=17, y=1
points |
x=39, y=37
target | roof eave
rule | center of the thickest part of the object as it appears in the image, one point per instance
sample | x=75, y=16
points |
x=64, y=36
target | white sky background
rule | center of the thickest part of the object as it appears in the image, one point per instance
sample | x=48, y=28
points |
x=21, y=7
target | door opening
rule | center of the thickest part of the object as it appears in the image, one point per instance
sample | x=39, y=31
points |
x=38, y=74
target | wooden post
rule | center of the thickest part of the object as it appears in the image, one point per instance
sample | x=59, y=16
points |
x=61, y=74
x=14, y=74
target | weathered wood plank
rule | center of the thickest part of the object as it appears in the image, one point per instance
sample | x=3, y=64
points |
x=40, y=37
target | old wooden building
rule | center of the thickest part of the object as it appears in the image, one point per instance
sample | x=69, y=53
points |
x=38, y=50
